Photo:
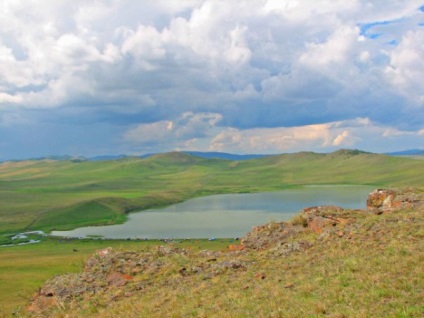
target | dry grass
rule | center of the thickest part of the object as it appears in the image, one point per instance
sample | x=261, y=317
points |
x=373, y=270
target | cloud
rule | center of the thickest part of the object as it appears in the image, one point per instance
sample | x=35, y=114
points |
x=341, y=139
x=186, y=129
x=406, y=68
x=202, y=132
x=357, y=133
x=294, y=66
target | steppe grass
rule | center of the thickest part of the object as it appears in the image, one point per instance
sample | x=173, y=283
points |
x=23, y=269
x=358, y=278
x=66, y=194
x=375, y=272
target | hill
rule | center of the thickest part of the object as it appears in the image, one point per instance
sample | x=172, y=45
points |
x=410, y=152
x=52, y=194
x=327, y=261
x=223, y=155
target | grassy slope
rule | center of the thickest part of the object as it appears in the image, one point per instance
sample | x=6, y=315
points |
x=376, y=273
x=23, y=269
x=38, y=193
x=373, y=270
x=58, y=194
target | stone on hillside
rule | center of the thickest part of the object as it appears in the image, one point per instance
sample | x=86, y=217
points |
x=265, y=236
x=320, y=217
x=387, y=201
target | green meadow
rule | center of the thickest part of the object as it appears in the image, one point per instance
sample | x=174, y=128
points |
x=46, y=195
x=23, y=269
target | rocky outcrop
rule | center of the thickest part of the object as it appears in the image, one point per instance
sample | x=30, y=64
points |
x=110, y=275
x=318, y=218
x=106, y=272
x=387, y=201
x=265, y=236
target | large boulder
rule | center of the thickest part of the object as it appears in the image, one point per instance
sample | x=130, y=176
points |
x=386, y=201
x=327, y=219
x=265, y=236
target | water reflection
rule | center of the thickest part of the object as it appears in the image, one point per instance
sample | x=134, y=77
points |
x=229, y=215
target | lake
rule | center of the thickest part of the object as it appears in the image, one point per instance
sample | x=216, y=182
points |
x=226, y=215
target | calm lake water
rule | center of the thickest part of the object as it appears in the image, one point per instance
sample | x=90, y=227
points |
x=227, y=215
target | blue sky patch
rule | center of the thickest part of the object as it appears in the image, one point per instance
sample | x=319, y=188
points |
x=366, y=28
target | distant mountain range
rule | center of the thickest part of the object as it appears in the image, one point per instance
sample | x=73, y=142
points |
x=410, y=152
x=223, y=155
x=205, y=155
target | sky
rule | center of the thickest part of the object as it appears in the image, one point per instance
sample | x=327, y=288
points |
x=248, y=76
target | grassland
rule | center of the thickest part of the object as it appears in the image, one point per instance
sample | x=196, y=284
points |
x=373, y=270
x=47, y=195
x=61, y=195
x=377, y=272
x=23, y=269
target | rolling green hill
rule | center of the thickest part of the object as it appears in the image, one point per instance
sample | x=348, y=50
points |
x=48, y=194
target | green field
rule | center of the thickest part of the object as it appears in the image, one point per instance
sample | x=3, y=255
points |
x=23, y=269
x=61, y=195
x=47, y=195
x=373, y=270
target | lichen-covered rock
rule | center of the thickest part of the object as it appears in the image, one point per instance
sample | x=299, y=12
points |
x=265, y=236
x=387, y=201
x=107, y=270
x=321, y=218
x=110, y=275
x=285, y=249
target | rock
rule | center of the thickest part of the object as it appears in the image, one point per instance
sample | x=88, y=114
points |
x=389, y=201
x=41, y=303
x=381, y=200
x=288, y=248
x=260, y=276
x=111, y=275
x=320, y=217
x=234, y=247
x=117, y=279
x=268, y=235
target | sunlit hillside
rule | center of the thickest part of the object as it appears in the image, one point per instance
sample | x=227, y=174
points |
x=52, y=194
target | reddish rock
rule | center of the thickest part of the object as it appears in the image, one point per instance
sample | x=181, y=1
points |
x=117, y=279
x=320, y=217
x=260, y=276
x=387, y=201
x=234, y=247
x=265, y=236
x=41, y=303
x=380, y=200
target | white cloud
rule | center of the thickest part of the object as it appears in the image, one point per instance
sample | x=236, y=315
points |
x=238, y=52
x=202, y=132
x=278, y=73
x=148, y=133
x=145, y=43
x=341, y=139
x=406, y=69
x=335, y=51
x=7, y=98
x=272, y=140
x=185, y=129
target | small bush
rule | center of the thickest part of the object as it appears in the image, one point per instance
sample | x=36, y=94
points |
x=299, y=220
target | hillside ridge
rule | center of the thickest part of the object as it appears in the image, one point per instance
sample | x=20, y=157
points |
x=55, y=195
x=338, y=250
